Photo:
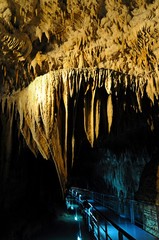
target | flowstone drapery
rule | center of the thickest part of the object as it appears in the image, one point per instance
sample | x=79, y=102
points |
x=48, y=109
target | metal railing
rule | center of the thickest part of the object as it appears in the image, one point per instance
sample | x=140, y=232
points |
x=99, y=225
x=126, y=208
x=97, y=222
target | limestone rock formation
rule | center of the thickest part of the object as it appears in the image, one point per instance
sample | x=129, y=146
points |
x=93, y=62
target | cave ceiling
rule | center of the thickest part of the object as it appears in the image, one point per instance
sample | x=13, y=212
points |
x=50, y=49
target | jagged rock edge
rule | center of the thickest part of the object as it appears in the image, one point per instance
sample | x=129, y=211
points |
x=40, y=123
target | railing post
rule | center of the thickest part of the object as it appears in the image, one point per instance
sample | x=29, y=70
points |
x=132, y=211
x=86, y=218
x=92, y=227
x=79, y=198
x=89, y=219
x=120, y=235
x=92, y=196
x=98, y=225
x=103, y=200
x=106, y=230
x=119, y=207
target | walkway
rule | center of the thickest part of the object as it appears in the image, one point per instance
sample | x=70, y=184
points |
x=117, y=224
x=65, y=227
x=105, y=224
x=49, y=226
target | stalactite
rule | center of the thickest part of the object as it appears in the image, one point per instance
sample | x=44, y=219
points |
x=3, y=104
x=44, y=109
x=138, y=97
x=35, y=106
x=97, y=118
x=77, y=87
x=17, y=44
x=65, y=94
x=7, y=117
x=109, y=112
x=10, y=110
x=89, y=123
x=5, y=72
x=150, y=89
x=108, y=81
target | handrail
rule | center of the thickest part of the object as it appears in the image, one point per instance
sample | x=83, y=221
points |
x=127, y=208
x=113, y=196
x=103, y=217
x=104, y=230
x=114, y=203
x=115, y=225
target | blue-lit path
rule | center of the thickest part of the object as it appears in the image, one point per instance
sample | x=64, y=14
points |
x=68, y=225
x=103, y=223
x=120, y=224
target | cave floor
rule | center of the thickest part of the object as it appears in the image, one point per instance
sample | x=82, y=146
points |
x=65, y=227
x=44, y=226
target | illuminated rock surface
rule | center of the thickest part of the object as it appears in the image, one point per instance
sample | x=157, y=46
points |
x=80, y=83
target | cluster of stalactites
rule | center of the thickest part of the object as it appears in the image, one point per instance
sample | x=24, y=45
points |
x=44, y=105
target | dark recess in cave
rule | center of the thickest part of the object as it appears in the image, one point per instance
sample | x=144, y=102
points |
x=30, y=190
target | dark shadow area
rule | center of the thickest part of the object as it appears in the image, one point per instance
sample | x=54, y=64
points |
x=30, y=193
x=147, y=191
x=31, y=201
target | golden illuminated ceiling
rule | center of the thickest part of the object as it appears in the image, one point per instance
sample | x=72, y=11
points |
x=50, y=48
x=121, y=35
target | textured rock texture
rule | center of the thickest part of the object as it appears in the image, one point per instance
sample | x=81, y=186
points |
x=83, y=73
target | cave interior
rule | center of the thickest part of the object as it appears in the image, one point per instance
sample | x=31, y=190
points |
x=79, y=90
